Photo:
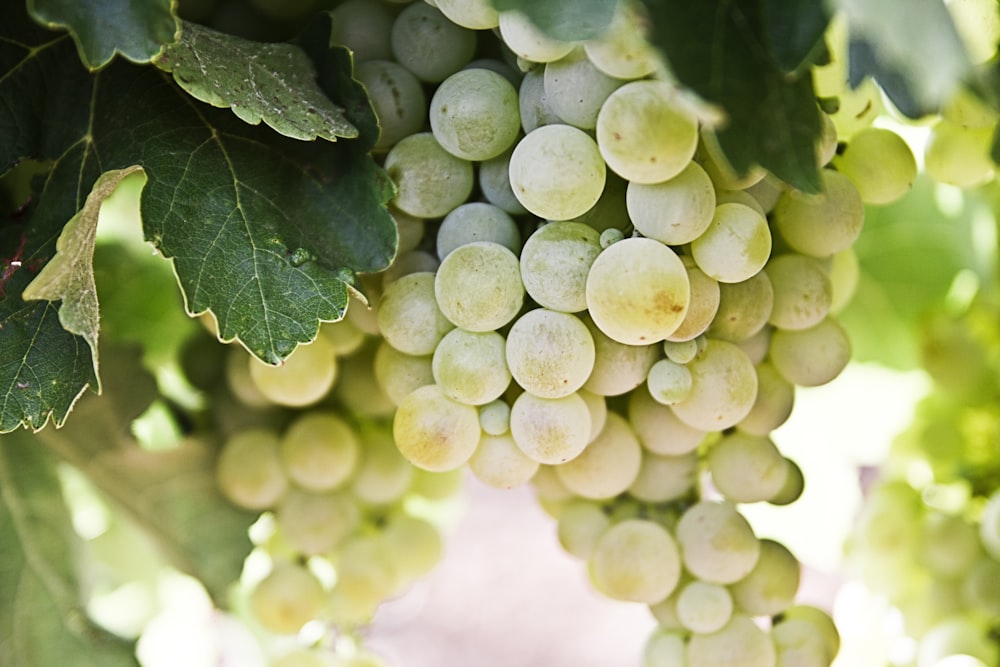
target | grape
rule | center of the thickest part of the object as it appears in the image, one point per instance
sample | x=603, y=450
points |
x=811, y=357
x=598, y=409
x=363, y=27
x=608, y=465
x=802, y=291
x=304, y=377
x=474, y=114
x=528, y=41
x=249, y=471
x=533, y=102
x=773, y=405
x=409, y=316
x=681, y=351
x=494, y=417
x=644, y=134
x=989, y=525
x=477, y=221
x=413, y=544
x=720, y=170
x=610, y=211
x=659, y=429
x=771, y=586
x=675, y=211
x=287, y=598
x=665, y=478
x=580, y=525
x=793, y=487
x=740, y=643
x=415, y=261
x=959, y=156
x=417, y=35
x=398, y=373
x=409, y=228
x=556, y=172
x=397, y=98
x=435, y=432
x=664, y=648
x=478, y=286
x=622, y=50
x=555, y=261
x=857, y=107
x=618, y=368
x=723, y=388
x=703, y=306
x=767, y=191
x=429, y=180
x=635, y=560
x=805, y=636
x=735, y=246
x=844, y=275
x=880, y=163
x=703, y=607
x=500, y=463
x=967, y=109
x=611, y=235
x=315, y=523
x=638, y=291
x=959, y=634
x=471, y=367
x=319, y=450
x=717, y=543
x=383, y=475
x=494, y=182
x=668, y=382
x=575, y=89
x=550, y=430
x=365, y=577
x=472, y=14
x=550, y=354
x=344, y=337
x=738, y=197
x=823, y=224
x=744, y=308
x=747, y=468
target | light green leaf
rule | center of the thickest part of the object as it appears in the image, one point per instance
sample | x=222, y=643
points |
x=138, y=30
x=275, y=83
x=568, y=20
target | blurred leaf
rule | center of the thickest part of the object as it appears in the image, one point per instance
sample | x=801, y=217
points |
x=864, y=62
x=275, y=83
x=568, y=20
x=42, y=618
x=137, y=30
x=719, y=49
x=795, y=31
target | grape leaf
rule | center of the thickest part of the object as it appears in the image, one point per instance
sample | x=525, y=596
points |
x=275, y=83
x=171, y=492
x=42, y=619
x=795, y=30
x=568, y=20
x=719, y=49
x=137, y=30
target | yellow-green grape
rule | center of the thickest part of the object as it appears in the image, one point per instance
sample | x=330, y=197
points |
x=618, y=368
x=357, y=390
x=682, y=351
x=528, y=41
x=534, y=106
x=978, y=24
x=735, y=246
x=665, y=478
x=366, y=576
x=471, y=367
x=319, y=450
x=413, y=544
x=494, y=417
x=598, y=407
x=717, y=543
x=409, y=317
x=958, y=155
x=435, y=432
x=472, y=14
x=664, y=648
x=500, y=463
x=437, y=485
x=802, y=291
x=811, y=357
x=771, y=586
x=857, y=108
x=550, y=354
x=822, y=224
x=703, y=306
x=580, y=525
x=720, y=170
x=410, y=229
x=675, y=211
x=343, y=335
x=756, y=346
x=553, y=496
x=773, y=405
x=363, y=313
x=844, y=272
x=968, y=109
x=794, y=485
x=635, y=560
x=315, y=523
x=414, y=261
x=806, y=636
x=478, y=286
x=665, y=611
x=659, y=429
x=477, y=221
x=474, y=114
x=555, y=261
x=703, y=607
x=304, y=377
x=738, y=197
x=668, y=382
x=550, y=430
x=744, y=308
x=644, y=133
x=249, y=471
x=576, y=89
x=723, y=387
x=287, y=598
x=429, y=180
x=747, y=468
x=622, y=50
x=740, y=643
x=364, y=28
x=397, y=98
x=826, y=146
x=610, y=211
x=880, y=163
x=383, y=475
x=608, y=465
x=398, y=374
x=416, y=38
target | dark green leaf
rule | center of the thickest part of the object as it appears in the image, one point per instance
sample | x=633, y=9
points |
x=568, y=20
x=275, y=83
x=137, y=30
x=719, y=49
x=864, y=62
x=795, y=31
x=42, y=619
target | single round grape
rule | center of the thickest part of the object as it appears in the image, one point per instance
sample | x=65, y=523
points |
x=528, y=41
x=344, y=337
x=880, y=163
x=319, y=450
x=845, y=273
x=723, y=388
x=740, y=643
x=611, y=235
x=638, y=291
x=659, y=429
x=682, y=351
x=435, y=432
x=811, y=357
x=822, y=224
x=398, y=373
x=471, y=367
x=735, y=246
x=550, y=430
x=622, y=51
x=556, y=172
x=477, y=221
x=665, y=478
x=704, y=608
x=366, y=575
x=555, y=261
x=703, y=306
x=959, y=156
x=494, y=183
x=383, y=476
x=675, y=211
x=414, y=544
x=773, y=405
x=397, y=98
x=802, y=291
x=249, y=471
x=805, y=636
x=474, y=114
x=580, y=525
x=618, y=368
x=498, y=462
x=644, y=134
x=533, y=102
x=608, y=465
x=747, y=468
x=478, y=286
x=315, y=523
x=772, y=585
x=417, y=35
x=668, y=382
x=287, y=598
x=550, y=354
x=794, y=485
x=635, y=560
x=429, y=180
x=472, y=14
x=494, y=417
x=302, y=379
x=717, y=543
x=744, y=308
x=415, y=261
x=575, y=89
x=364, y=28
x=409, y=316
x=664, y=648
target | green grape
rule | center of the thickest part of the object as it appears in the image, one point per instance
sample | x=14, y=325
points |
x=773, y=405
x=611, y=235
x=968, y=109
x=437, y=485
x=366, y=576
x=344, y=337
x=723, y=388
x=362, y=312
x=287, y=598
x=826, y=146
x=550, y=354
x=528, y=41
x=478, y=286
x=474, y=114
x=659, y=429
x=398, y=373
x=363, y=27
x=552, y=494
x=550, y=430
x=429, y=180
x=675, y=211
x=435, y=432
x=498, y=462
x=665, y=478
x=740, y=643
x=805, y=636
x=472, y=14
x=718, y=544
x=249, y=471
x=416, y=38
x=747, y=468
x=756, y=346
x=357, y=391
x=383, y=475
x=680, y=351
x=494, y=183
x=720, y=169
x=471, y=367
x=793, y=487
x=739, y=197
x=857, y=108
x=704, y=608
x=316, y=523
x=772, y=585
x=414, y=545
x=635, y=560
x=845, y=273
x=767, y=191
x=703, y=305
x=744, y=308
x=823, y=224
x=622, y=50
x=319, y=450
x=811, y=357
x=397, y=97
x=608, y=465
x=618, y=368
x=410, y=229
x=409, y=316
x=989, y=525
x=802, y=291
x=414, y=261
x=638, y=291
x=575, y=89
x=303, y=379
x=556, y=172
x=494, y=417
x=880, y=163
x=533, y=102
x=598, y=408
x=959, y=156
x=664, y=648
x=477, y=221
x=580, y=525
x=735, y=246
x=978, y=25
x=668, y=382
x=644, y=134
x=555, y=261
